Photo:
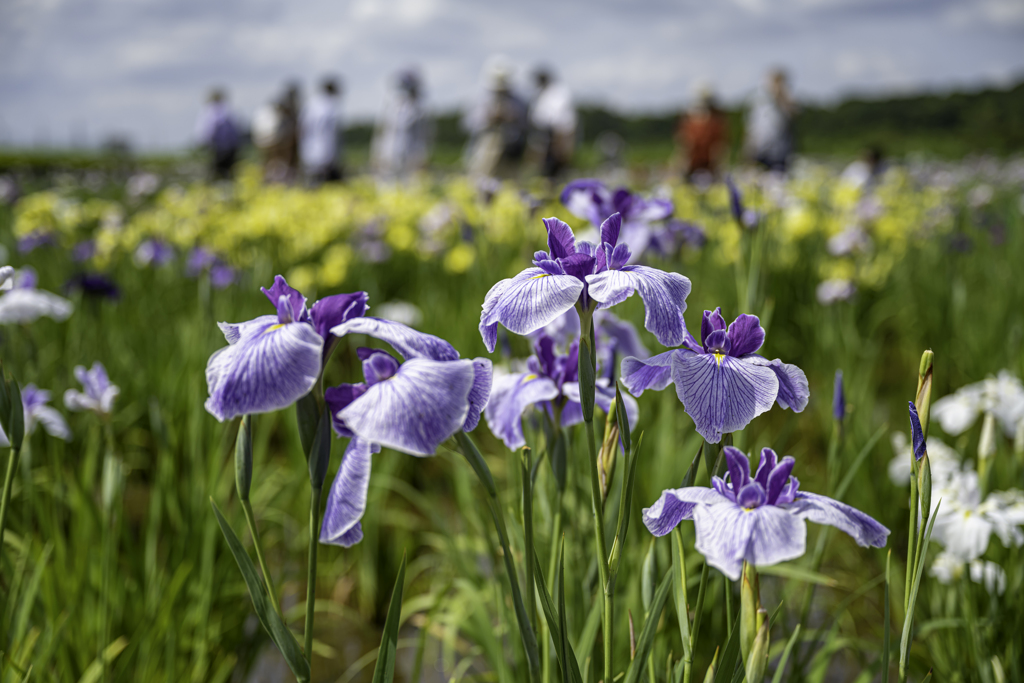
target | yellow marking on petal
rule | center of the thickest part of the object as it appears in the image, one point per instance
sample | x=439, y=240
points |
x=719, y=357
x=529, y=377
x=540, y=276
x=273, y=327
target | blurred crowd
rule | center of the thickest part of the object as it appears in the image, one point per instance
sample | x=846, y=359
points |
x=509, y=134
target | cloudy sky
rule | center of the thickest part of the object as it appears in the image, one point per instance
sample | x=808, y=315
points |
x=75, y=71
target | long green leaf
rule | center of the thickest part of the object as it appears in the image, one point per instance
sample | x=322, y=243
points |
x=563, y=649
x=279, y=632
x=798, y=573
x=730, y=655
x=886, y=636
x=625, y=503
x=679, y=590
x=777, y=678
x=384, y=671
x=646, y=640
x=909, y=619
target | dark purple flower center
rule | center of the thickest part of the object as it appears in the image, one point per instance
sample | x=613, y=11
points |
x=377, y=365
x=547, y=362
x=771, y=485
x=566, y=256
x=745, y=335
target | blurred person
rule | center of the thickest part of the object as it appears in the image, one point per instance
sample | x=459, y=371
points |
x=275, y=131
x=402, y=136
x=553, y=117
x=217, y=130
x=497, y=125
x=702, y=134
x=320, y=138
x=769, y=136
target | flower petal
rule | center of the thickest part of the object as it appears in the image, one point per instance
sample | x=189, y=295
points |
x=405, y=340
x=511, y=395
x=610, y=229
x=28, y=305
x=722, y=397
x=723, y=534
x=664, y=295
x=235, y=331
x=589, y=199
x=296, y=303
x=332, y=311
x=416, y=410
x=337, y=399
x=267, y=369
x=561, y=241
x=346, y=501
x=527, y=302
x=824, y=510
x=480, y=393
x=746, y=334
x=52, y=421
x=777, y=536
x=794, y=391
x=654, y=373
x=674, y=506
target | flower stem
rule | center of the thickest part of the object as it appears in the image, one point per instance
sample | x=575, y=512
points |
x=314, y=523
x=531, y=596
x=254, y=531
x=602, y=552
x=12, y=458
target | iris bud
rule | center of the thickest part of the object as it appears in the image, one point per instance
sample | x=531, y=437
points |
x=757, y=662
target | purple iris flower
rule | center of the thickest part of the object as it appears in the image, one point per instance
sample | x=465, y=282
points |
x=153, y=252
x=221, y=275
x=83, y=251
x=274, y=360
x=593, y=201
x=675, y=234
x=36, y=239
x=99, y=393
x=199, y=259
x=758, y=519
x=615, y=338
x=748, y=218
x=94, y=285
x=35, y=402
x=721, y=381
x=551, y=383
x=572, y=272
x=411, y=406
x=916, y=433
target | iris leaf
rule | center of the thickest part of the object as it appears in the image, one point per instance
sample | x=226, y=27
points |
x=646, y=640
x=279, y=632
x=384, y=671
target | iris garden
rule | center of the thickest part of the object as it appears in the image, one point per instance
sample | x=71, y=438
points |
x=604, y=474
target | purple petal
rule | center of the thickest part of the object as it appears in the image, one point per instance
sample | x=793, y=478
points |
x=778, y=478
x=722, y=397
x=527, y=302
x=619, y=257
x=337, y=398
x=622, y=335
x=235, y=331
x=751, y=496
x=267, y=369
x=561, y=241
x=746, y=334
x=332, y=311
x=777, y=536
x=735, y=200
x=296, y=303
x=765, y=466
x=824, y=510
x=654, y=210
x=588, y=199
x=711, y=321
x=674, y=506
x=511, y=395
x=409, y=343
x=739, y=468
x=917, y=433
x=346, y=501
x=789, y=492
x=480, y=393
x=604, y=394
x=578, y=265
x=718, y=342
x=793, y=389
x=610, y=229
x=416, y=410
x=654, y=373
x=723, y=534
x=377, y=365
x=664, y=295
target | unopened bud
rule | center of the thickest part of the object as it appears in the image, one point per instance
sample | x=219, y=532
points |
x=710, y=676
x=757, y=662
x=923, y=399
x=750, y=602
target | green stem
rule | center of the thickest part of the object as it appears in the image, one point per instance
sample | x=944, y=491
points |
x=531, y=595
x=12, y=458
x=314, y=523
x=911, y=538
x=602, y=551
x=254, y=531
x=728, y=603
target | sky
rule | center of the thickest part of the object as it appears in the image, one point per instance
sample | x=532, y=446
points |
x=74, y=72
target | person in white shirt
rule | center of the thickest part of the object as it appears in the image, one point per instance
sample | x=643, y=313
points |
x=769, y=140
x=319, y=138
x=401, y=139
x=553, y=118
